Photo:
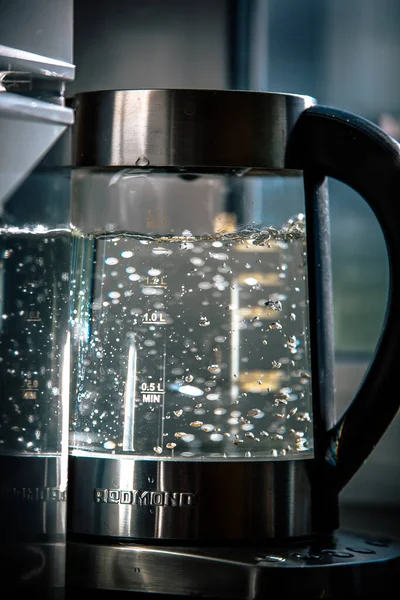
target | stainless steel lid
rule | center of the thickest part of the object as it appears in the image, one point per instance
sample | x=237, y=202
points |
x=199, y=129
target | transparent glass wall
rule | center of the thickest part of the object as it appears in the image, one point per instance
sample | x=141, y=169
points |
x=35, y=254
x=189, y=312
x=34, y=293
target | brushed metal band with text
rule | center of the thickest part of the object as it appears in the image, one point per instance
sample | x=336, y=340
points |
x=33, y=497
x=145, y=499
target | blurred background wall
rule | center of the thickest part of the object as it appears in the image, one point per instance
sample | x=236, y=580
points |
x=345, y=54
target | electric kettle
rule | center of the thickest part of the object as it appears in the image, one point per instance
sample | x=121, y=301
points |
x=202, y=392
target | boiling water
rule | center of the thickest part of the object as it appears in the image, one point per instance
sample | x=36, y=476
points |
x=34, y=349
x=192, y=347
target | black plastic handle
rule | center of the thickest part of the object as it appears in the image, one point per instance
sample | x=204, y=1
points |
x=333, y=143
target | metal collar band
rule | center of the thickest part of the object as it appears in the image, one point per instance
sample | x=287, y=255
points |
x=174, y=129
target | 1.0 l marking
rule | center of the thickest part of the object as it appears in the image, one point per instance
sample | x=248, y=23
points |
x=154, y=318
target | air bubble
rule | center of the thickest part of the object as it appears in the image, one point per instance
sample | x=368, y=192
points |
x=207, y=427
x=204, y=322
x=142, y=161
x=198, y=262
x=303, y=417
x=274, y=304
x=159, y=251
x=253, y=412
x=276, y=436
x=216, y=437
x=251, y=281
x=109, y=445
x=305, y=375
x=219, y=255
x=111, y=260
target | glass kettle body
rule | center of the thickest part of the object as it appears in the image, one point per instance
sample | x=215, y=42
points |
x=202, y=389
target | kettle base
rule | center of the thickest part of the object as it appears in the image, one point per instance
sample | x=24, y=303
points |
x=351, y=565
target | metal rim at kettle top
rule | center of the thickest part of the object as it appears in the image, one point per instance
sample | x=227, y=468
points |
x=177, y=129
